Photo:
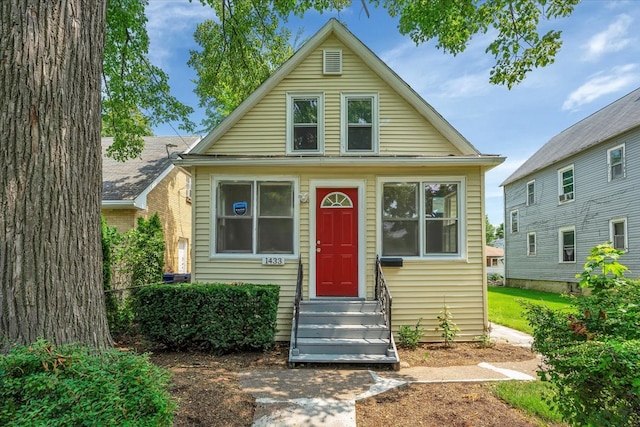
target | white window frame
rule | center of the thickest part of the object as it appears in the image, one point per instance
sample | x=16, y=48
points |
x=517, y=222
x=610, y=166
x=254, y=204
x=614, y=221
x=462, y=214
x=535, y=244
x=531, y=196
x=344, y=126
x=291, y=96
x=562, y=196
x=561, y=232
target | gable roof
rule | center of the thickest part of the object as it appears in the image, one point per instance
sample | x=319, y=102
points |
x=126, y=184
x=494, y=252
x=335, y=28
x=612, y=120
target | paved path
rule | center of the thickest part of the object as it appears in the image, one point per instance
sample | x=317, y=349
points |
x=327, y=397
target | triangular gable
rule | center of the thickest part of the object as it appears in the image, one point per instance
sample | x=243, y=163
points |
x=370, y=59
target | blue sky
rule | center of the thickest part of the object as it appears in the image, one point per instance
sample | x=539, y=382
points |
x=599, y=62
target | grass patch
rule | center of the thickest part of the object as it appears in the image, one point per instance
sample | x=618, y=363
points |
x=529, y=396
x=504, y=308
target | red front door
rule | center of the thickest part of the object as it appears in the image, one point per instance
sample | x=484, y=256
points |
x=337, y=242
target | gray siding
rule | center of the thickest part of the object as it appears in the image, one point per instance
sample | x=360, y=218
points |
x=596, y=202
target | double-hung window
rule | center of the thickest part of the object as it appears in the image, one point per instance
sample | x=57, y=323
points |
x=514, y=221
x=567, y=243
x=422, y=218
x=531, y=192
x=531, y=244
x=565, y=184
x=254, y=217
x=305, y=123
x=618, y=233
x=359, y=114
x=615, y=160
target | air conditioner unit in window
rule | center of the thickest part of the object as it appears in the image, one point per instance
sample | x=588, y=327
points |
x=565, y=197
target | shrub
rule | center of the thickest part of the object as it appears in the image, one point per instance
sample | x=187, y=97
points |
x=409, y=337
x=72, y=385
x=214, y=317
x=592, y=354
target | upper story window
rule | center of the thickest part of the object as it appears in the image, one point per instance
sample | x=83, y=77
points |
x=359, y=116
x=567, y=243
x=531, y=244
x=514, y=221
x=305, y=123
x=531, y=192
x=618, y=233
x=615, y=161
x=421, y=218
x=565, y=184
x=254, y=217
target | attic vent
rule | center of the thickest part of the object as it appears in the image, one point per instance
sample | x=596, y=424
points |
x=332, y=61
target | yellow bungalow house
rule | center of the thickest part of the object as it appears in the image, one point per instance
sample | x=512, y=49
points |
x=339, y=183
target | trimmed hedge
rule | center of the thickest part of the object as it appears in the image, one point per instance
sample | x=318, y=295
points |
x=216, y=317
x=71, y=385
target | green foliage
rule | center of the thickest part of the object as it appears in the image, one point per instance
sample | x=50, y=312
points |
x=518, y=46
x=484, y=340
x=532, y=397
x=490, y=231
x=237, y=54
x=409, y=337
x=592, y=355
x=500, y=231
x=505, y=306
x=139, y=255
x=214, y=317
x=447, y=325
x=72, y=385
x=135, y=93
x=109, y=239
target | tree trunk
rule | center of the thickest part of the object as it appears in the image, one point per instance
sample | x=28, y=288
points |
x=51, y=172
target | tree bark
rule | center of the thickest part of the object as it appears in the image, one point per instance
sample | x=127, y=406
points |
x=51, y=172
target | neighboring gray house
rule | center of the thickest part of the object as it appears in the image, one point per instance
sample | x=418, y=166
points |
x=582, y=188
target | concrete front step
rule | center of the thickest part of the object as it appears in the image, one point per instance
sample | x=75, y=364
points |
x=358, y=306
x=343, y=331
x=342, y=346
x=341, y=318
x=343, y=358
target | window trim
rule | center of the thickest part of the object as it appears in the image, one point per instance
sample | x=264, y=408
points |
x=462, y=214
x=188, y=188
x=511, y=230
x=531, y=195
x=561, y=232
x=614, y=221
x=609, y=165
x=535, y=244
x=561, y=192
x=215, y=179
x=344, y=126
x=291, y=96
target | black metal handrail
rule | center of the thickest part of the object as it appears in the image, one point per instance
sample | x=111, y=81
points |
x=297, y=303
x=384, y=297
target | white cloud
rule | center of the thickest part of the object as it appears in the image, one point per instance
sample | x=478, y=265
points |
x=171, y=24
x=602, y=84
x=613, y=39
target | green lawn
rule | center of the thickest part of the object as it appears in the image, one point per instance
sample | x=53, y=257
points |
x=529, y=396
x=504, y=308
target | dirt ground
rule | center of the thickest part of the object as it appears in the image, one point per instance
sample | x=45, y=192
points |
x=208, y=392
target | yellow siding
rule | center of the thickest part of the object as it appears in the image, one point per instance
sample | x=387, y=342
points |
x=420, y=289
x=262, y=131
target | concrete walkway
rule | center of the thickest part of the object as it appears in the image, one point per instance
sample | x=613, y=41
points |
x=327, y=397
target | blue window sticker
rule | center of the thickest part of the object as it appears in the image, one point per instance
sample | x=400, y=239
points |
x=240, y=208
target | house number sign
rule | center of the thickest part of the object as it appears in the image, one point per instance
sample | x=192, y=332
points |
x=272, y=260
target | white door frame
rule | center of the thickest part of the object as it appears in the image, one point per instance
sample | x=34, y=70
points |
x=362, y=220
